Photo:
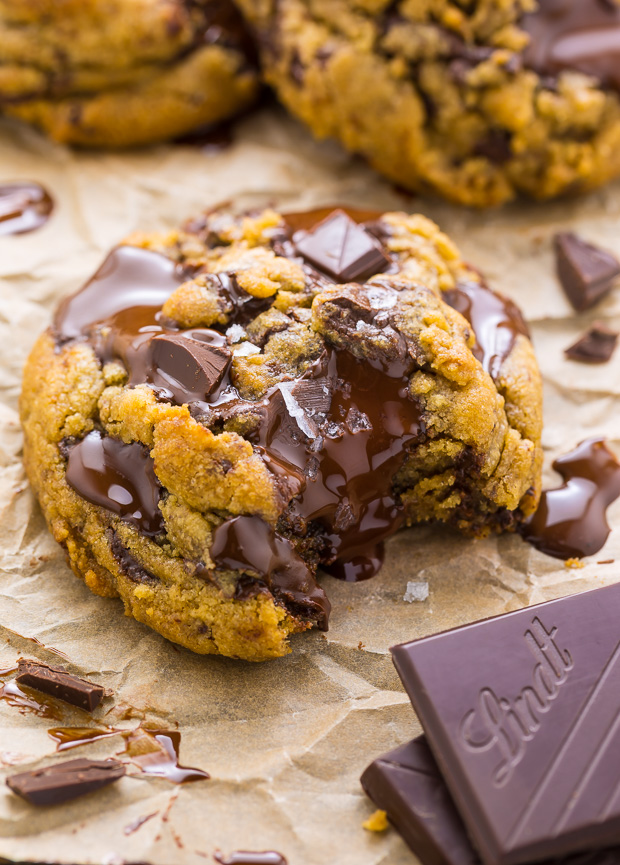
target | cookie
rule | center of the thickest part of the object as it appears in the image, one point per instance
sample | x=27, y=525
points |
x=476, y=101
x=115, y=73
x=223, y=410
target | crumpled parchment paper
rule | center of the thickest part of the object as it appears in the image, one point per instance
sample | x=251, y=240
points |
x=285, y=742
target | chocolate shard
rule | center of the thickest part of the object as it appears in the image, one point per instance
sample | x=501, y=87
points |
x=64, y=781
x=595, y=346
x=521, y=713
x=341, y=248
x=195, y=365
x=585, y=271
x=406, y=783
x=60, y=684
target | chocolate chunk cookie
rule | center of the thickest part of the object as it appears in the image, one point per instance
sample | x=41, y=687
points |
x=477, y=101
x=114, y=73
x=223, y=410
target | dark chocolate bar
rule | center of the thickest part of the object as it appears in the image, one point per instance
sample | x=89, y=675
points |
x=522, y=713
x=407, y=784
x=61, y=782
x=60, y=684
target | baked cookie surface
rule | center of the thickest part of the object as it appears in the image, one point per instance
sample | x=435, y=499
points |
x=115, y=73
x=223, y=410
x=478, y=101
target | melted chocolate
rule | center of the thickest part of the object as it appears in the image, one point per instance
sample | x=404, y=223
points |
x=248, y=857
x=14, y=696
x=126, y=294
x=495, y=320
x=72, y=737
x=119, y=477
x=250, y=543
x=349, y=456
x=136, y=824
x=580, y=35
x=162, y=760
x=24, y=207
x=570, y=521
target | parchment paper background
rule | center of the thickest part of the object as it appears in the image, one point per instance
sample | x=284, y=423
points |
x=285, y=742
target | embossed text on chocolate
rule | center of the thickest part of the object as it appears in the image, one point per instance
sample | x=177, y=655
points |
x=508, y=724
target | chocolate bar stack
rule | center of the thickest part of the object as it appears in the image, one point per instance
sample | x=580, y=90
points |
x=520, y=761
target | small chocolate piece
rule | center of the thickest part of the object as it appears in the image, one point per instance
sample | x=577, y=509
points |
x=64, y=781
x=119, y=477
x=191, y=363
x=24, y=206
x=585, y=271
x=521, y=712
x=60, y=684
x=570, y=521
x=575, y=35
x=596, y=345
x=407, y=784
x=341, y=248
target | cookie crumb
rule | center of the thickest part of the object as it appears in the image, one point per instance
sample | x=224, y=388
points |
x=574, y=563
x=377, y=822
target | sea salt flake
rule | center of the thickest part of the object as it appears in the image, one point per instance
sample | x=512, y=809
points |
x=417, y=590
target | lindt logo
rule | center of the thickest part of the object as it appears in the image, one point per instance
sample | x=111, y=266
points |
x=507, y=725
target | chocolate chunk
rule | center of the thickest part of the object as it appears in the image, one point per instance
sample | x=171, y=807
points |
x=596, y=345
x=495, y=146
x=406, y=783
x=191, y=363
x=64, y=781
x=570, y=521
x=521, y=713
x=341, y=248
x=585, y=271
x=575, y=35
x=60, y=684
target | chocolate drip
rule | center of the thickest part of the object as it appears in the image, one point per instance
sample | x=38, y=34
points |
x=249, y=543
x=248, y=857
x=160, y=755
x=72, y=737
x=15, y=696
x=348, y=456
x=119, y=477
x=579, y=35
x=126, y=294
x=570, y=521
x=24, y=206
x=496, y=322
